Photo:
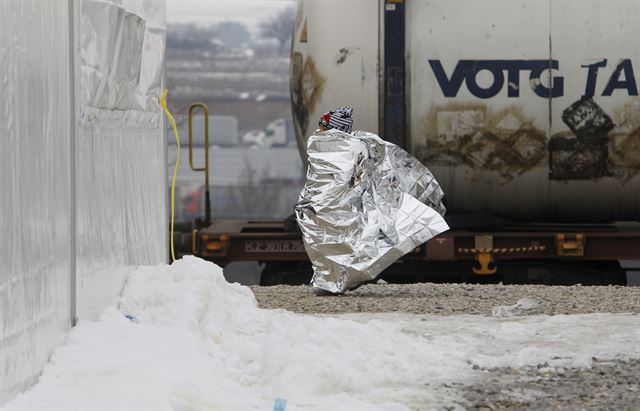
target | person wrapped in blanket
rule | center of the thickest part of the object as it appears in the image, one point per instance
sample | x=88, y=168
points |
x=366, y=203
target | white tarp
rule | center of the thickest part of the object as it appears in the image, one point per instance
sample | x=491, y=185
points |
x=99, y=181
x=120, y=145
x=34, y=188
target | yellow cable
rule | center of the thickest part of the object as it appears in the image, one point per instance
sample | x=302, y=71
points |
x=163, y=103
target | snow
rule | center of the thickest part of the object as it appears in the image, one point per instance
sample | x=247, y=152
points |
x=518, y=308
x=194, y=341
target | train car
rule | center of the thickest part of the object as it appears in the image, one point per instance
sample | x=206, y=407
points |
x=527, y=112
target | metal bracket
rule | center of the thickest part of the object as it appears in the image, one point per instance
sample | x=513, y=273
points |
x=484, y=259
x=570, y=245
x=194, y=241
x=217, y=246
x=484, y=256
x=207, y=195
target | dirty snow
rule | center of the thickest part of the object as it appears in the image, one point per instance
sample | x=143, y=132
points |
x=194, y=341
x=518, y=308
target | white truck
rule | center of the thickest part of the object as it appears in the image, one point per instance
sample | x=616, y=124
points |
x=278, y=133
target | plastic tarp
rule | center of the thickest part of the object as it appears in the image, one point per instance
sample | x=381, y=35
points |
x=35, y=188
x=83, y=166
x=120, y=162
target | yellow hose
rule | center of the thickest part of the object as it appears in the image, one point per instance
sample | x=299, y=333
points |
x=163, y=103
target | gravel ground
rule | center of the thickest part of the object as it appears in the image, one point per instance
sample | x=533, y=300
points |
x=610, y=385
x=607, y=385
x=427, y=298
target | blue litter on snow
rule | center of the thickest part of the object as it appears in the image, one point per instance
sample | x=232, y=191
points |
x=280, y=404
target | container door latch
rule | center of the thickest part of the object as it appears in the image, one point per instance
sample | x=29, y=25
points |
x=570, y=245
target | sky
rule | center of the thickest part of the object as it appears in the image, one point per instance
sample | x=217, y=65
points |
x=206, y=12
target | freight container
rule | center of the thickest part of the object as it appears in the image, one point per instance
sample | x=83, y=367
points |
x=527, y=110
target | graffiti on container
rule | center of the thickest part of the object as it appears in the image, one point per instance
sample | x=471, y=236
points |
x=307, y=86
x=587, y=119
x=343, y=53
x=506, y=143
x=585, y=156
x=595, y=144
x=579, y=159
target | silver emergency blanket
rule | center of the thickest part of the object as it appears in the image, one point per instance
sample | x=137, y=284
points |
x=366, y=203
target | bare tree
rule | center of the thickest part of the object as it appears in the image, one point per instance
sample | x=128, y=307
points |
x=189, y=37
x=232, y=33
x=257, y=196
x=279, y=27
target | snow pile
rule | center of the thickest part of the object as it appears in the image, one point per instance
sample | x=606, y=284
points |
x=196, y=342
x=518, y=308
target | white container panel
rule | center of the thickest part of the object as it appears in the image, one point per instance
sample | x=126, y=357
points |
x=596, y=167
x=334, y=62
x=475, y=118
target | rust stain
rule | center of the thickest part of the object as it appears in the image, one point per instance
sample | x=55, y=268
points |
x=312, y=83
x=303, y=34
x=629, y=150
x=593, y=146
x=431, y=119
x=626, y=156
x=298, y=105
x=307, y=85
x=626, y=140
x=468, y=133
x=627, y=116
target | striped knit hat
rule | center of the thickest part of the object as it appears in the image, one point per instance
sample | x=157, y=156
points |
x=340, y=119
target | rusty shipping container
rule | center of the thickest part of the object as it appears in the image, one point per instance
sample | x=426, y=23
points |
x=527, y=110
